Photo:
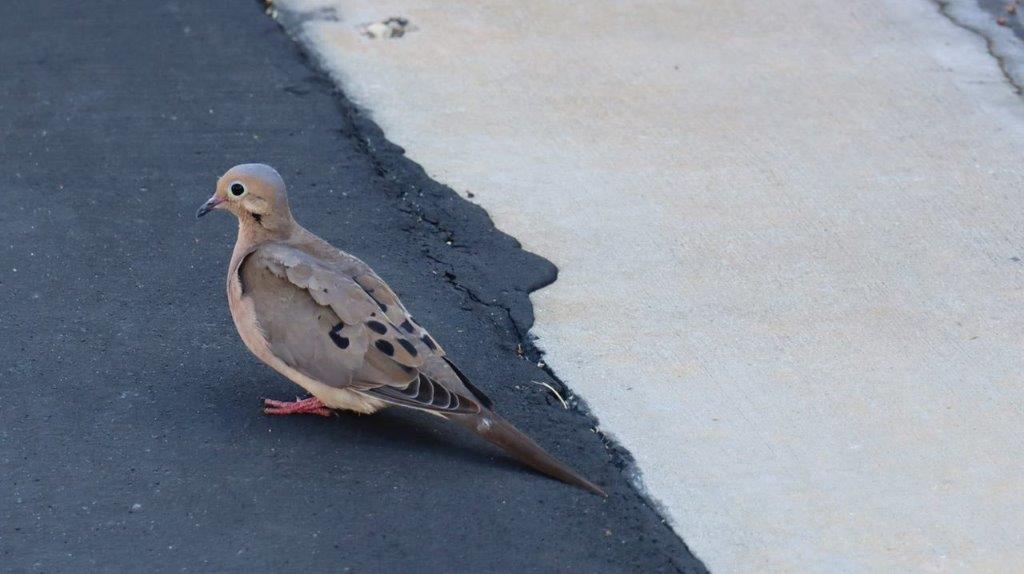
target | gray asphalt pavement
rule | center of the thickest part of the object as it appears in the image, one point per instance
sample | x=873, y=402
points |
x=130, y=431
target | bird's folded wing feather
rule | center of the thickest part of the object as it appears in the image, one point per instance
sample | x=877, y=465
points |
x=349, y=332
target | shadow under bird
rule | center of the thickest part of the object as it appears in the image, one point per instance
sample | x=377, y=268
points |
x=325, y=320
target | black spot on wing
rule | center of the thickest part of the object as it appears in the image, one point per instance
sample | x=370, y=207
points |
x=429, y=342
x=335, y=334
x=409, y=348
x=385, y=347
x=407, y=326
x=377, y=327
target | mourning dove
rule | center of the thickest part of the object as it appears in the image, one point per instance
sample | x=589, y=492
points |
x=325, y=320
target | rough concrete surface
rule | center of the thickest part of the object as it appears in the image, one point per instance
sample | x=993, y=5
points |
x=789, y=237
x=130, y=432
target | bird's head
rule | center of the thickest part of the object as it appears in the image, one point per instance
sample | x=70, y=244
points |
x=255, y=193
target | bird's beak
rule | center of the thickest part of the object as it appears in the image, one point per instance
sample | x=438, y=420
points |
x=209, y=206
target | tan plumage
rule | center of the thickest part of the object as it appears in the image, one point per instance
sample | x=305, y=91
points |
x=325, y=320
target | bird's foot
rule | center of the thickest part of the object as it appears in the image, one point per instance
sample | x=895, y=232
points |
x=310, y=406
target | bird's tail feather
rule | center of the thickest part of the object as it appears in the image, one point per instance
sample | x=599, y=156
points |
x=502, y=433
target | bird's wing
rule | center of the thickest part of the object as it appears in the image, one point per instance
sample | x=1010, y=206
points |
x=333, y=328
x=395, y=311
x=330, y=327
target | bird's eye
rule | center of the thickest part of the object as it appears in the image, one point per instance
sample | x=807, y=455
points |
x=237, y=189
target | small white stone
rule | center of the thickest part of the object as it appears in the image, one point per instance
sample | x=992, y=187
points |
x=377, y=30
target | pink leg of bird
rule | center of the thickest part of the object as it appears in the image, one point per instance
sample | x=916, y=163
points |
x=310, y=406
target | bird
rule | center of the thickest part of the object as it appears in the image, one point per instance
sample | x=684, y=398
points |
x=325, y=320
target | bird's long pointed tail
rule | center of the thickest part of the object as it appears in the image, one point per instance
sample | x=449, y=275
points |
x=504, y=434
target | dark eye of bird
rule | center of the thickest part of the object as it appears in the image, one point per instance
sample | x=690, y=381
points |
x=237, y=189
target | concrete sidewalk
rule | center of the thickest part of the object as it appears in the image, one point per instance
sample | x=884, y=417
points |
x=789, y=237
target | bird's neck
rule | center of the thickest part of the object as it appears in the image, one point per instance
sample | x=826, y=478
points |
x=255, y=231
x=269, y=227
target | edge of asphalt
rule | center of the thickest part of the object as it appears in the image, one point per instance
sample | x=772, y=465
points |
x=439, y=206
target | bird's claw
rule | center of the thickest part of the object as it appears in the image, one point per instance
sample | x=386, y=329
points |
x=310, y=406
